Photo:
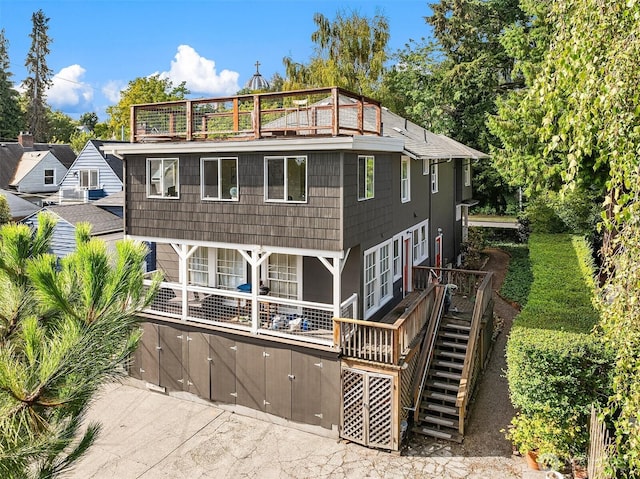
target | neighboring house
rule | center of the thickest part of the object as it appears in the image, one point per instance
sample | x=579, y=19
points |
x=105, y=226
x=19, y=207
x=272, y=215
x=114, y=203
x=32, y=168
x=93, y=175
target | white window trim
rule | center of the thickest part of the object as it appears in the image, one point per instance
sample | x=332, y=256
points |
x=405, y=193
x=97, y=187
x=373, y=186
x=425, y=166
x=53, y=176
x=378, y=301
x=396, y=239
x=422, y=229
x=286, y=184
x=264, y=273
x=202, y=185
x=213, y=268
x=434, y=177
x=467, y=172
x=148, y=180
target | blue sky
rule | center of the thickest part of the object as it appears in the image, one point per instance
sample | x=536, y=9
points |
x=98, y=46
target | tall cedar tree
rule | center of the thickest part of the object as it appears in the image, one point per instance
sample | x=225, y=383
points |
x=10, y=113
x=39, y=77
x=350, y=52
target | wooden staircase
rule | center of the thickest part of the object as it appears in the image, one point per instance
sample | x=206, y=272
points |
x=438, y=414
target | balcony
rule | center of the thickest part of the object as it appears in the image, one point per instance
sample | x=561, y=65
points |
x=314, y=112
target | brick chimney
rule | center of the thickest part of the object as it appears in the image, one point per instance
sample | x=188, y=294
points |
x=25, y=139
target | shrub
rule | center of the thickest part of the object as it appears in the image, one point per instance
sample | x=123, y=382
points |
x=517, y=282
x=555, y=367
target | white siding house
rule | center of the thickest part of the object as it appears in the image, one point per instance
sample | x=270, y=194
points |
x=38, y=172
x=93, y=175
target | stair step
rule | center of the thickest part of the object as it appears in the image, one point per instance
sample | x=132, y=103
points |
x=446, y=375
x=454, y=387
x=448, y=364
x=450, y=398
x=440, y=421
x=427, y=431
x=452, y=354
x=452, y=411
x=450, y=335
x=451, y=344
x=457, y=325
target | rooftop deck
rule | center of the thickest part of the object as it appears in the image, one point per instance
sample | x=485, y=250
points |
x=314, y=112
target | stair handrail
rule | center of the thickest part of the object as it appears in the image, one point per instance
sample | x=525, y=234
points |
x=426, y=353
x=470, y=355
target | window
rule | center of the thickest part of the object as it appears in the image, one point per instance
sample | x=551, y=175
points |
x=466, y=171
x=199, y=267
x=162, y=177
x=282, y=276
x=420, y=245
x=231, y=269
x=397, y=257
x=49, y=177
x=89, y=179
x=286, y=179
x=219, y=177
x=220, y=268
x=434, y=177
x=425, y=166
x=378, y=281
x=366, y=176
x=405, y=182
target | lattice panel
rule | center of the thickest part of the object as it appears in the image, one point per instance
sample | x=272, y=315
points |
x=353, y=417
x=380, y=411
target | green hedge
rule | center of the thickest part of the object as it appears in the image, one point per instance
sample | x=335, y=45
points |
x=517, y=282
x=555, y=367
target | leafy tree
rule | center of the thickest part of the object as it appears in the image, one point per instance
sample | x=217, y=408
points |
x=451, y=84
x=79, y=140
x=89, y=120
x=101, y=130
x=10, y=112
x=151, y=89
x=39, y=76
x=350, y=52
x=61, y=126
x=5, y=211
x=64, y=330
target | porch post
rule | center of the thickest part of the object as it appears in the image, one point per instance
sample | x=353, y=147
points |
x=184, y=278
x=255, y=288
x=337, y=286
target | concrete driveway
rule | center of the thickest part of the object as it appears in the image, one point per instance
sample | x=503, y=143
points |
x=151, y=435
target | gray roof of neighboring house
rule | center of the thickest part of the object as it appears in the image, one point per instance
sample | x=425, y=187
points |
x=11, y=154
x=19, y=207
x=113, y=161
x=101, y=220
x=114, y=199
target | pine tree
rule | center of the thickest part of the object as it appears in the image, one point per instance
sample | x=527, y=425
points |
x=65, y=328
x=39, y=77
x=10, y=113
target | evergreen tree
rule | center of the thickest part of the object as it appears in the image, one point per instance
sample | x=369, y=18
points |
x=10, y=113
x=39, y=77
x=66, y=327
x=5, y=211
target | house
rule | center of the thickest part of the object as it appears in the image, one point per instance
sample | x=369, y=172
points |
x=92, y=175
x=285, y=226
x=105, y=225
x=18, y=207
x=29, y=168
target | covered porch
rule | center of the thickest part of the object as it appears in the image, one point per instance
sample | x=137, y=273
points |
x=252, y=288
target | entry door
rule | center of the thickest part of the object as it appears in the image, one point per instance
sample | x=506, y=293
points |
x=367, y=408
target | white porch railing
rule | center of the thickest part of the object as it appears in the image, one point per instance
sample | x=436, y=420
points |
x=301, y=320
x=73, y=195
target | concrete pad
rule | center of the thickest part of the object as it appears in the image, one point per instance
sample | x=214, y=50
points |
x=148, y=435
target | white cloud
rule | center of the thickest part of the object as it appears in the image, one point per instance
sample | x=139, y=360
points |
x=112, y=90
x=200, y=74
x=68, y=92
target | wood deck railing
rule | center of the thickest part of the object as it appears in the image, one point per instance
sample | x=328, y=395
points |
x=471, y=368
x=382, y=342
x=316, y=112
